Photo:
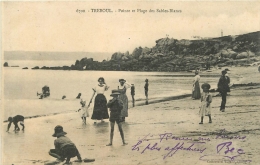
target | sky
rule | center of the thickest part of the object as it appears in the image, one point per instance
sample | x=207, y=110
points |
x=56, y=26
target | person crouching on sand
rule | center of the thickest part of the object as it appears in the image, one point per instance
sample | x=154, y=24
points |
x=64, y=147
x=15, y=120
x=206, y=99
x=115, y=105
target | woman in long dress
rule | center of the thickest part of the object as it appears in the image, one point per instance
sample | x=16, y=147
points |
x=100, y=110
x=196, y=87
x=123, y=86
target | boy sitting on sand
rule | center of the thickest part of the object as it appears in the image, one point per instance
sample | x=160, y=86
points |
x=206, y=99
x=115, y=106
x=15, y=120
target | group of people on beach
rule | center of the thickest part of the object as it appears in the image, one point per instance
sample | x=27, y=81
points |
x=206, y=98
x=118, y=105
x=100, y=110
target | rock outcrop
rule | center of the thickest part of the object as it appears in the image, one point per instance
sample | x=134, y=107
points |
x=170, y=54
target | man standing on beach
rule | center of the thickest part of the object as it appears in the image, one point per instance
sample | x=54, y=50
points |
x=223, y=88
x=133, y=94
x=146, y=89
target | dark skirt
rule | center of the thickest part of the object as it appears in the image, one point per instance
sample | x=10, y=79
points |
x=124, y=99
x=100, y=110
x=196, y=91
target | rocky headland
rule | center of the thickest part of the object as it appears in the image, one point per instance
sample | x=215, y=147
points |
x=174, y=55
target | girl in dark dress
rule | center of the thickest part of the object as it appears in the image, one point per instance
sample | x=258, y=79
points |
x=100, y=110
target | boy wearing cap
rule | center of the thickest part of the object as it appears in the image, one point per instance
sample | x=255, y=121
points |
x=206, y=99
x=115, y=105
x=223, y=88
x=15, y=120
x=64, y=147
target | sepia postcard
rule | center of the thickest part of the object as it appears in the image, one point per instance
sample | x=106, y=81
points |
x=130, y=82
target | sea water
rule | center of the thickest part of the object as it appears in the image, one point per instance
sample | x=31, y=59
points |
x=21, y=87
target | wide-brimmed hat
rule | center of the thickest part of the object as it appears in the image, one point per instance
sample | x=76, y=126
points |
x=120, y=80
x=146, y=80
x=227, y=69
x=58, y=131
x=101, y=79
x=115, y=93
x=205, y=85
x=224, y=72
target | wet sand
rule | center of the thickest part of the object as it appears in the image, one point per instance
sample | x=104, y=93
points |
x=179, y=117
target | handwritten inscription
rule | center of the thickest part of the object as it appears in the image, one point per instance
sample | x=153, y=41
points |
x=159, y=144
x=226, y=150
x=170, y=150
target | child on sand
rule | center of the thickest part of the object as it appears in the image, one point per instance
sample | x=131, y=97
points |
x=64, y=147
x=83, y=111
x=206, y=99
x=115, y=105
x=15, y=120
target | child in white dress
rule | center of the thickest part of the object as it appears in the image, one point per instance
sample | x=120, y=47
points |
x=206, y=99
x=83, y=111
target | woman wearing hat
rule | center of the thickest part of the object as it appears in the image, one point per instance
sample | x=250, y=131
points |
x=64, y=147
x=206, y=99
x=100, y=111
x=123, y=86
x=196, y=87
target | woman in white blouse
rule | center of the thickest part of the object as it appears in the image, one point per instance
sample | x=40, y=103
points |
x=100, y=110
x=123, y=86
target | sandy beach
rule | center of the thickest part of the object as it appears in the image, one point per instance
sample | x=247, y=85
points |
x=162, y=132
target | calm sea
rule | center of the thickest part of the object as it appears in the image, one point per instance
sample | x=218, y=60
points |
x=21, y=86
